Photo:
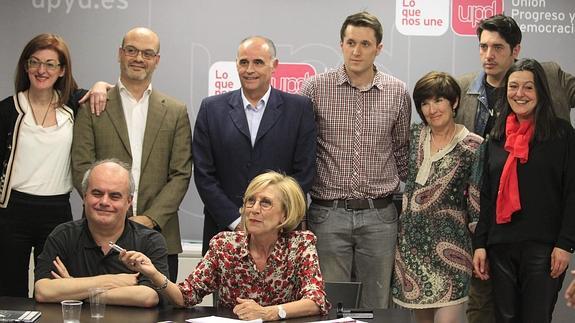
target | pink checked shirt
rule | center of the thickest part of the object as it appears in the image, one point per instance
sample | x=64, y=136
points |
x=362, y=135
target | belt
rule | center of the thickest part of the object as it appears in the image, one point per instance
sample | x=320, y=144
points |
x=353, y=204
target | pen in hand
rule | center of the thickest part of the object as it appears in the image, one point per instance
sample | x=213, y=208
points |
x=116, y=247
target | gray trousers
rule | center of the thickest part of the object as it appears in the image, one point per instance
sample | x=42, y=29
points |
x=359, y=244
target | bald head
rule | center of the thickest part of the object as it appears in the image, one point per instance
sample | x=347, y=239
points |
x=256, y=63
x=113, y=167
x=259, y=41
x=144, y=34
x=108, y=193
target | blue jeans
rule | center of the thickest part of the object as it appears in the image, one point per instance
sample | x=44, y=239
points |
x=359, y=244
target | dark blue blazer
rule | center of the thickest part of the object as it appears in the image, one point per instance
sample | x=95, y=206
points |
x=225, y=161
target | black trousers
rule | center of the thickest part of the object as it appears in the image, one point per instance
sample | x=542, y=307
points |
x=173, y=267
x=523, y=289
x=26, y=223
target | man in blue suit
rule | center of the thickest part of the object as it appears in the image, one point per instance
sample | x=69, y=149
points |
x=243, y=133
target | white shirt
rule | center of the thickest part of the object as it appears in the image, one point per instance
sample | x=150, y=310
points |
x=42, y=159
x=254, y=114
x=136, y=114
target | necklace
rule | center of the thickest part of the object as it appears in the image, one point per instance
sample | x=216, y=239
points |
x=436, y=147
x=34, y=113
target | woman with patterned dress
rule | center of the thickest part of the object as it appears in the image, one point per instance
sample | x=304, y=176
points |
x=267, y=272
x=433, y=259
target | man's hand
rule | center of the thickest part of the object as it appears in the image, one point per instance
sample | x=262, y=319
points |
x=143, y=219
x=559, y=261
x=248, y=309
x=98, y=96
x=121, y=280
x=61, y=271
x=481, y=264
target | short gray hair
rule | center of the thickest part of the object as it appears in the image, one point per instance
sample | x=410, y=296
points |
x=116, y=161
x=271, y=46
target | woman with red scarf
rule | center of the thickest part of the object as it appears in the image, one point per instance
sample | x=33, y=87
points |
x=526, y=231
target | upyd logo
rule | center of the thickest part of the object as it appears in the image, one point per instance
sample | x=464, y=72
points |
x=52, y=5
x=289, y=77
x=466, y=14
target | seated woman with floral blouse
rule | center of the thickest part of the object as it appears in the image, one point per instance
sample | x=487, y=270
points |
x=267, y=271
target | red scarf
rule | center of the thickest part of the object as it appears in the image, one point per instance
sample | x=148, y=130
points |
x=518, y=135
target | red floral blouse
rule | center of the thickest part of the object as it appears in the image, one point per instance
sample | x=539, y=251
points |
x=291, y=272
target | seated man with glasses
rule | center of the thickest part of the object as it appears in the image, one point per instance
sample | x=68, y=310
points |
x=269, y=271
x=146, y=129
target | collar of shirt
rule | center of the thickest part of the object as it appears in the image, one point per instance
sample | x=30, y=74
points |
x=124, y=90
x=342, y=78
x=477, y=86
x=63, y=112
x=88, y=242
x=279, y=246
x=428, y=159
x=261, y=103
x=255, y=114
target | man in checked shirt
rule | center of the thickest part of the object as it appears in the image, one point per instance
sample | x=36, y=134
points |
x=363, y=118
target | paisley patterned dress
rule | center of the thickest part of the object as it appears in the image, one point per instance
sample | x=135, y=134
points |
x=433, y=259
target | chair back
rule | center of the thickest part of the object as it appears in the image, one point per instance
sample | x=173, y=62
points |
x=347, y=293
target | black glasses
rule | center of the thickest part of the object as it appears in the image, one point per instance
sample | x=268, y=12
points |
x=34, y=64
x=265, y=203
x=132, y=51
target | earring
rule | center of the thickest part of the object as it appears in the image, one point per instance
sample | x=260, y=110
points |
x=454, y=112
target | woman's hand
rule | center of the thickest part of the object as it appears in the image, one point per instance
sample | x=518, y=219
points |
x=481, y=264
x=98, y=95
x=137, y=261
x=559, y=261
x=248, y=309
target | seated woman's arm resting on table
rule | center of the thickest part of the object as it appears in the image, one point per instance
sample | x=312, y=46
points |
x=247, y=309
x=137, y=261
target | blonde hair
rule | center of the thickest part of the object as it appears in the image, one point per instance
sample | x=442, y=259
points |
x=291, y=197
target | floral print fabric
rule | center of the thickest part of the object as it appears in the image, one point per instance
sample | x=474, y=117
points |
x=291, y=273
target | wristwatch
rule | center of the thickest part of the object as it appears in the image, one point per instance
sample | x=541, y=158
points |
x=281, y=312
x=164, y=285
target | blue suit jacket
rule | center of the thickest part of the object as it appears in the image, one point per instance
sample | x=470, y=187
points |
x=225, y=161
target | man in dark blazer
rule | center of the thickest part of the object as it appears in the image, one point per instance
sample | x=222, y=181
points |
x=146, y=129
x=243, y=133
